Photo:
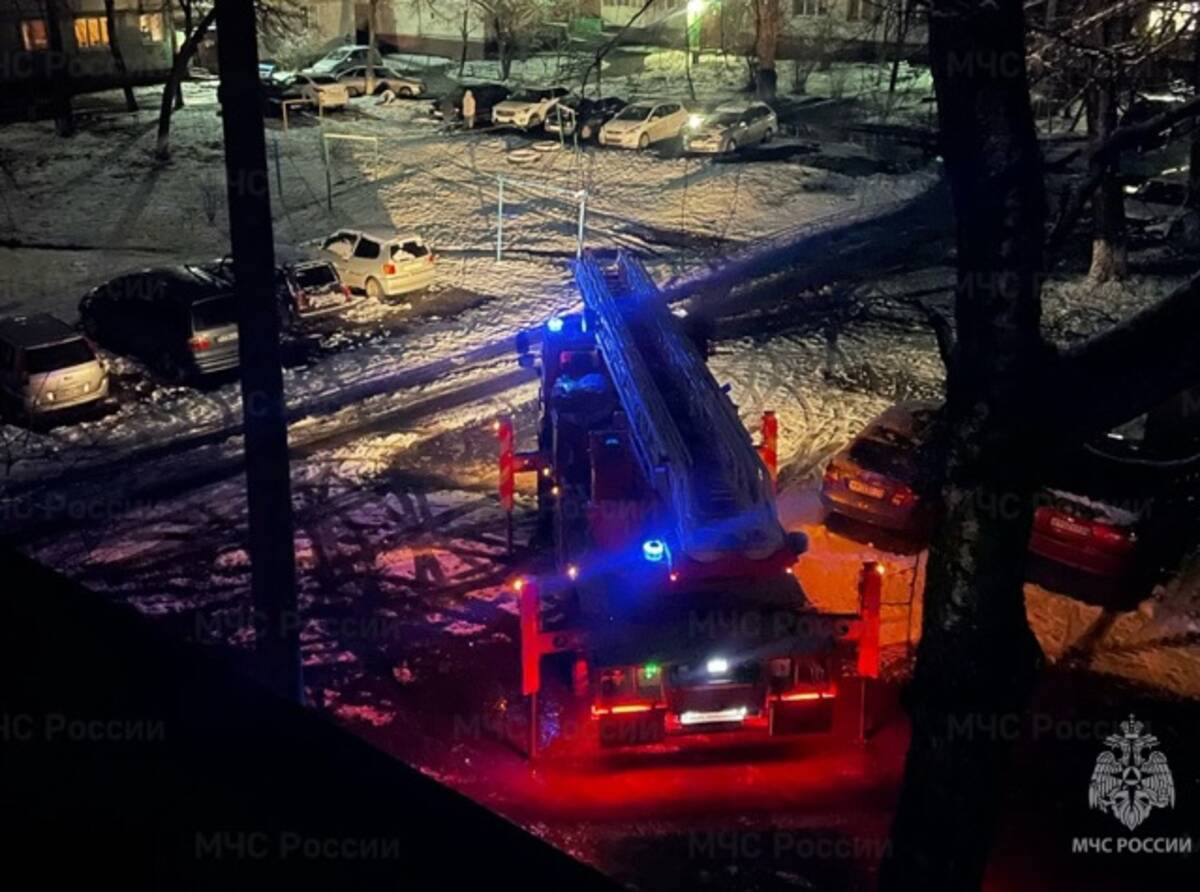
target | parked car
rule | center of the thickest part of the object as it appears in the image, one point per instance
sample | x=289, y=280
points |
x=574, y=115
x=340, y=58
x=1087, y=517
x=639, y=125
x=731, y=127
x=308, y=285
x=381, y=263
x=876, y=479
x=181, y=320
x=528, y=109
x=318, y=90
x=46, y=366
x=471, y=104
x=355, y=81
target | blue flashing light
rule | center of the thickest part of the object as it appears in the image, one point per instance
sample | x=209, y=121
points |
x=654, y=550
x=555, y=324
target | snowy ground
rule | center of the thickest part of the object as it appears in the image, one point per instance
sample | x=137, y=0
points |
x=676, y=212
x=399, y=538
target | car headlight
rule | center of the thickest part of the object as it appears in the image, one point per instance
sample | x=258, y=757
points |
x=48, y=396
x=694, y=121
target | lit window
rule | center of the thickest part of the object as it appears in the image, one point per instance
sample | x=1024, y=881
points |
x=151, y=26
x=91, y=32
x=34, y=35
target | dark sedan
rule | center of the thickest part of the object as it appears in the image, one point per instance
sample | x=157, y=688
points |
x=584, y=117
x=180, y=320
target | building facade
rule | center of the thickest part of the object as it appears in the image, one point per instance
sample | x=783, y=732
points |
x=71, y=42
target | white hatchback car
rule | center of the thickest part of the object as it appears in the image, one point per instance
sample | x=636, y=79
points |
x=529, y=108
x=381, y=263
x=641, y=123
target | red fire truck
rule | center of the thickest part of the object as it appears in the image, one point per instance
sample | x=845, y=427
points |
x=673, y=573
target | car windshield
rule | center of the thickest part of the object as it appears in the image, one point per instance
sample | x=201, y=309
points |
x=635, y=113
x=723, y=119
x=59, y=356
x=411, y=248
x=214, y=312
x=890, y=459
x=529, y=96
x=321, y=275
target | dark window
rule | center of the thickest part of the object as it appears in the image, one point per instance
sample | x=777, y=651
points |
x=367, y=249
x=853, y=10
x=413, y=249
x=319, y=276
x=889, y=459
x=214, y=312
x=58, y=356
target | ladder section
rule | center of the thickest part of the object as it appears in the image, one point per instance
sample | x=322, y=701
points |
x=715, y=484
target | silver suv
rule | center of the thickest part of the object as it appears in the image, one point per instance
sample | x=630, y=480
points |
x=45, y=365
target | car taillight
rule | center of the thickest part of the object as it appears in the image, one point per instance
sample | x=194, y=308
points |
x=903, y=496
x=346, y=292
x=831, y=474
x=431, y=257
x=199, y=345
x=389, y=269
x=1110, y=535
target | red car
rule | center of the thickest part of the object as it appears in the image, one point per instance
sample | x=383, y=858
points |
x=875, y=480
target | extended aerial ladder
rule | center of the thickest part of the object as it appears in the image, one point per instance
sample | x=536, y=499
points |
x=684, y=613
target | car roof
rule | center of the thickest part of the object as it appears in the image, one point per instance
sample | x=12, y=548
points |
x=35, y=330
x=189, y=282
x=907, y=418
x=382, y=235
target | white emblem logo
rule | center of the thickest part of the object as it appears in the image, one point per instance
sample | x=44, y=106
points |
x=1129, y=782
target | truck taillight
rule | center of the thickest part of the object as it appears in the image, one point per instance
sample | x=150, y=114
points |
x=199, y=345
x=389, y=269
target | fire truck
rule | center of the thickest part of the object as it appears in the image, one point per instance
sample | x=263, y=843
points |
x=673, y=583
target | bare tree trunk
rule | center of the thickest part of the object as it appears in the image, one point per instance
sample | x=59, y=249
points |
x=268, y=487
x=371, y=10
x=64, y=119
x=1109, y=254
x=182, y=58
x=977, y=659
x=114, y=44
x=1193, y=196
x=466, y=34
x=768, y=15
